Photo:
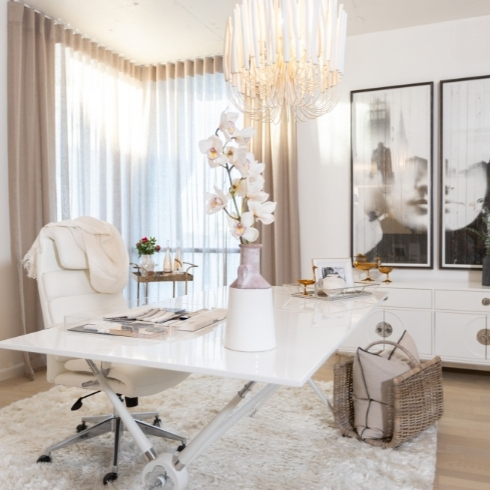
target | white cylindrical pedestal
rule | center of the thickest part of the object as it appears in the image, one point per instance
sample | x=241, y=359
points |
x=250, y=320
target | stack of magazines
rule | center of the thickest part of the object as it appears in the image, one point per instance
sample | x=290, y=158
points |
x=153, y=322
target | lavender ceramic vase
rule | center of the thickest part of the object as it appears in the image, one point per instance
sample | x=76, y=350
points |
x=249, y=269
x=250, y=319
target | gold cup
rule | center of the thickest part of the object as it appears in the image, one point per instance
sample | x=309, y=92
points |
x=361, y=264
x=384, y=269
x=304, y=283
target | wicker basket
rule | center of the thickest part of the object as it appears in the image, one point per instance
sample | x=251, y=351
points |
x=417, y=401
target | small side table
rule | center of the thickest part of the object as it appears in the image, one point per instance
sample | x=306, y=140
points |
x=159, y=276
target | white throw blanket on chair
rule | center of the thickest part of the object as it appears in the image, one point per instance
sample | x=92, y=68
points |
x=107, y=257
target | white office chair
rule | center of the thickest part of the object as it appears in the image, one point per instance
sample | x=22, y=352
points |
x=65, y=289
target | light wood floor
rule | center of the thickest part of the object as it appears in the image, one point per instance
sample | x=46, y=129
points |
x=463, y=448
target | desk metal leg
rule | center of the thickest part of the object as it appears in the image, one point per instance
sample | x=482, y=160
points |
x=320, y=394
x=141, y=440
x=172, y=467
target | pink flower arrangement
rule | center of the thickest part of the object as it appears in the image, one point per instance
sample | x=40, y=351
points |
x=147, y=246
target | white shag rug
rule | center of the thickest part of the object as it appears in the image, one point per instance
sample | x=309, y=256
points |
x=290, y=443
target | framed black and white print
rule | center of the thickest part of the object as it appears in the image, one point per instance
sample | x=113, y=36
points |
x=392, y=197
x=465, y=157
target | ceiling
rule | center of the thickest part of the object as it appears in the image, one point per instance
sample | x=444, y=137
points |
x=156, y=31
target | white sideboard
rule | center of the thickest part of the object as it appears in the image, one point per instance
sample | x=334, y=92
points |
x=451, y=320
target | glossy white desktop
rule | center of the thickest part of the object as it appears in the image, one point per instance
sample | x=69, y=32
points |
x=308, y=332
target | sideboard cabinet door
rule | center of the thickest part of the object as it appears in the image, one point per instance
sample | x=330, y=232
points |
x=418, y=323
x=364, y=334
x=457, y=334
x=389, y=324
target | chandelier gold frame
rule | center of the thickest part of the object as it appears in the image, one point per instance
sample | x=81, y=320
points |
x=284, y=59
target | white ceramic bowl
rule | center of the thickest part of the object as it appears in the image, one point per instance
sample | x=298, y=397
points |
x=333, y=282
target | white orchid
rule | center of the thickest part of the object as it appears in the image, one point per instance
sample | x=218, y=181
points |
x=239, y=187
x=231, y=153
x=258, y=196
x=255, y=182
x=246, y=191
x=250, y=188
x=213, y=148
x=216, y=202
x=243, y=227
x=244, y=136
x=227, y=124
x=247, y=165
x=262, y=211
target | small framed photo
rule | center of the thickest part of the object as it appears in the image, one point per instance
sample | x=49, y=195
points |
x=339, y=267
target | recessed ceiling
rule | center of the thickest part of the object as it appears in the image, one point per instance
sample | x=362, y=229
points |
x=156, y=31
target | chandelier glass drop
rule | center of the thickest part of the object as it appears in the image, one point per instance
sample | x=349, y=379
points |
x=284, y=59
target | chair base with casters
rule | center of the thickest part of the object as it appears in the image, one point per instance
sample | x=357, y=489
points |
x=104, y=424
x=134, y=382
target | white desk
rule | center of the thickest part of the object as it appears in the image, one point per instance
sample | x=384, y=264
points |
x=308, y=332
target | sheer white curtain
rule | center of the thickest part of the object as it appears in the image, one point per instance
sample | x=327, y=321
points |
x=127, y=153
x=182, y=104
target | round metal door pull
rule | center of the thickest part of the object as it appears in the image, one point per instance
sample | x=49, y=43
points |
x=483, y=336
x=384, y=329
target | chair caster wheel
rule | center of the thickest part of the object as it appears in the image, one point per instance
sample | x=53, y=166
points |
x=81, y=427
x=181, y=448
x=44, y=459
x=162, y=474
x=109, y=478
x=157, y=422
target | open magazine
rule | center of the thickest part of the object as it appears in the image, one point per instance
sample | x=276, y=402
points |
x=152, y=322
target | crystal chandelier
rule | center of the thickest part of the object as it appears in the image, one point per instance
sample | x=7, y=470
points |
x=284, y=59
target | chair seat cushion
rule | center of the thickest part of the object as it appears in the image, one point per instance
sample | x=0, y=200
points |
x=128, y=380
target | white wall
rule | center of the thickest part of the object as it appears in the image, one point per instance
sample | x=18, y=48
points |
x=9, y=299
x=419, y=54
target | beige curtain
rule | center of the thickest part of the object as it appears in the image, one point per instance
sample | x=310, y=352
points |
x=30, y=148
x=275, y=145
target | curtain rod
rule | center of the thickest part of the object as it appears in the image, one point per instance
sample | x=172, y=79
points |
x=68, y=26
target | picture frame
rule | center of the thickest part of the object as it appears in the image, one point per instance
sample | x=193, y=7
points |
x=342, y=267
x=464, y=170
x=392, y=174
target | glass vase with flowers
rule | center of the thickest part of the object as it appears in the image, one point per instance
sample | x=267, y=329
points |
x=146, y=247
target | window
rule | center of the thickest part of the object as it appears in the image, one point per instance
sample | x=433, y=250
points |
x=126, y=152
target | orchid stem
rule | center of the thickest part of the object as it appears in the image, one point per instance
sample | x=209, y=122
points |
x=228, y=170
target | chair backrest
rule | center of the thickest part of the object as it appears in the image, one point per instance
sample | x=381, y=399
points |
x=64, y=283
